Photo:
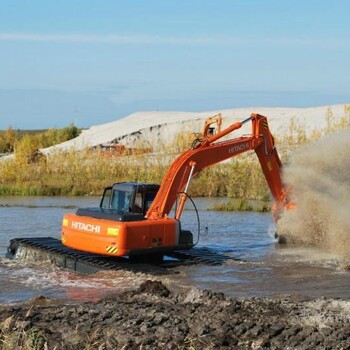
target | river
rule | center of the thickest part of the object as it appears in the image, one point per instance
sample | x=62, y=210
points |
x=261, y=266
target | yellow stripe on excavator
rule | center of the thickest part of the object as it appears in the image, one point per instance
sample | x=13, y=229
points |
x=111, y=250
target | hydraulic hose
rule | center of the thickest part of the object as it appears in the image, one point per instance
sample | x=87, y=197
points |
x=195, y=208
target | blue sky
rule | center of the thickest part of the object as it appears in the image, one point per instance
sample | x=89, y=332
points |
x=91, y=62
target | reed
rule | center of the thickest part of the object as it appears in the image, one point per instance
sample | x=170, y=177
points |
x=242, y=204
x=87, y=173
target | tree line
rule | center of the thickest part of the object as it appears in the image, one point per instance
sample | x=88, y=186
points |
x=12, y=140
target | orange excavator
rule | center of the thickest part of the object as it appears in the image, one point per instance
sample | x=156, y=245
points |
x=135, y=219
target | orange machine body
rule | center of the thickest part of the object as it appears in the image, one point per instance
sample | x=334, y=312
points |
x=108, y=237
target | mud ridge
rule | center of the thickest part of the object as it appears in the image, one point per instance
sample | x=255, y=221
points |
x=155, y=317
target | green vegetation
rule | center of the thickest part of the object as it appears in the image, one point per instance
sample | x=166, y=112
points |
x=11, y=139
x=88, y=172
x=80, y=173
x=237, y=204
x=74, y=173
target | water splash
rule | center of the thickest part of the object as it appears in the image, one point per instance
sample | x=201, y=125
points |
x=319, y=175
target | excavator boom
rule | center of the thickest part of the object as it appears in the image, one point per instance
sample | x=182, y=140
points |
x=210, y=151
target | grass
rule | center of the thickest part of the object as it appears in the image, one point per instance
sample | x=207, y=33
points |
x=238, y=204
x=16, y=334
x=87, y=173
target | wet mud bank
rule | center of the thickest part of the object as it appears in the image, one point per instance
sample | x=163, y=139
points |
x=154, y=317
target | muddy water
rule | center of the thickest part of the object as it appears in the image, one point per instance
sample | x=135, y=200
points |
x=260, y=266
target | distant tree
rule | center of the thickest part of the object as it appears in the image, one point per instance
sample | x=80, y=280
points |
x=26, y=148
x=10, y=139
x=55, y=136
x=3, y=147
x=70, y=132
x=50, y=138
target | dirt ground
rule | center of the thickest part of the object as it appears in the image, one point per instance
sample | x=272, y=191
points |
x=153, y=317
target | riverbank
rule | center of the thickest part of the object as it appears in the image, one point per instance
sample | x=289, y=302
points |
x=88, y=173
x=157, y=317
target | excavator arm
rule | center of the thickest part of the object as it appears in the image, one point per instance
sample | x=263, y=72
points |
x=211, y=150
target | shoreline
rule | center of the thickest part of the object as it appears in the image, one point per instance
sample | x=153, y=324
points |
x=157, y=317
x=202, y=203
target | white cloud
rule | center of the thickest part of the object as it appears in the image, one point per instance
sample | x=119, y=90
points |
x=112, y=38
x=144, y=39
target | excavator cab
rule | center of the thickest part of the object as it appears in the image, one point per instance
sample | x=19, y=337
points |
x=124, y=201
x=126, y=197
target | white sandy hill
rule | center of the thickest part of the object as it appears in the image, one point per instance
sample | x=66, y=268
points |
x=162, y=127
